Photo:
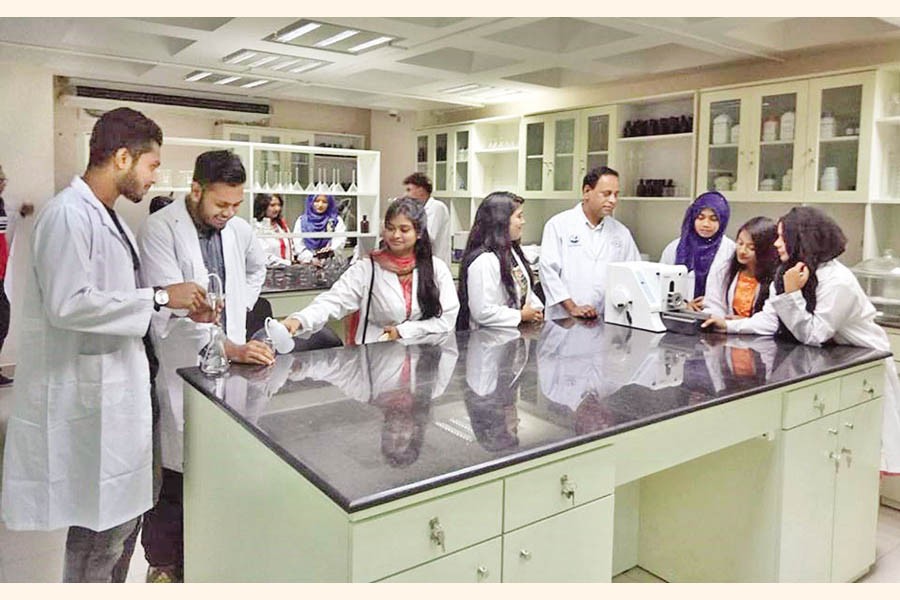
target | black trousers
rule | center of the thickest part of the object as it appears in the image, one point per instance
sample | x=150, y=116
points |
x=4, y=315
x=162, y=534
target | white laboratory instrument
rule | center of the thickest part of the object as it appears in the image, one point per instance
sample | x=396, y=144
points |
x=640, y=293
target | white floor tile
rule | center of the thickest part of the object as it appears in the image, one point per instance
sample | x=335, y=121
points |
x=886, y=569
x=46, y=567
x=623, y=578
x=641, y=576
x=137, y=569
x=16, y=545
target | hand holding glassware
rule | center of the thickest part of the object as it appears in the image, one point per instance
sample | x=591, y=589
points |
x=214, y=360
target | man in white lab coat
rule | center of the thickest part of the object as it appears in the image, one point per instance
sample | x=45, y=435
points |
x=418, y=187
x=187, y=240
x=78, y=445
x=578, y=244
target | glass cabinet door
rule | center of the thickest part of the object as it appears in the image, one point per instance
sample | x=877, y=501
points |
x=838, y=139
x=722, y=138
x=772, y=163
x=534, y=156
x=269, y=163
x=441, y=146
x=461, y=168
x=564, y=154
x=422, y=154
x=597, y=142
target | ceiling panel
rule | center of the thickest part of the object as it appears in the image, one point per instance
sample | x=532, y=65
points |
x=459, y=60
x=560, y=34
x=667, y=57
x=198, y=23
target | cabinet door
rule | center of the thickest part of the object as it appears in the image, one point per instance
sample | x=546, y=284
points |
x=838, y=155
x=425, y=154
x=460, y=183
x=478, y=564
x=575, y=546
x=776, y=136
x=533, y=161
x=720, y=164
x=807, y=508
x=563, y=167
x=441, y=182
x=856, y=494
x=596, y=151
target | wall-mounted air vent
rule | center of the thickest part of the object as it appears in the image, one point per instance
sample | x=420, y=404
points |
x=171, y=100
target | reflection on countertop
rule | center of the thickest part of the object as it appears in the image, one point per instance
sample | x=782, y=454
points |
x=374, y=423
x=304, y=276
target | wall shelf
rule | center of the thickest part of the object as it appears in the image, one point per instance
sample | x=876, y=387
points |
x=658, y=138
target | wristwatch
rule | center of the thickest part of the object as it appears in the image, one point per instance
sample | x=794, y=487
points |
x=160, y=298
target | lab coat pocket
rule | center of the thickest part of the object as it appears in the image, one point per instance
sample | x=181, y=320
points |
x=102, y=380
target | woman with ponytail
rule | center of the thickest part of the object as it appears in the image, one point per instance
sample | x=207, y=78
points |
x=400, y=290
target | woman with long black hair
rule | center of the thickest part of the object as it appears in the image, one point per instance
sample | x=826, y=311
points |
x=816, y=300
x=400, y=290
x=739, y=287
x=496, y=284
x=268, y=214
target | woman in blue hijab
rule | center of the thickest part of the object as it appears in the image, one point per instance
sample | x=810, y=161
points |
x=703, y=241
x=321, y=216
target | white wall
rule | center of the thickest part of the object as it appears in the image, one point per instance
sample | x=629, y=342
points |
x=26, y=128
x=395, y=138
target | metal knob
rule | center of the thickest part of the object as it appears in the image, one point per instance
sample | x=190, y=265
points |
x=836, y=458
x=868, y=388
x=482, y=572
x=567, y=488
x=848, y=425
x=819, y=405
x=833, y=431
x=437, y=533
x=525, y=554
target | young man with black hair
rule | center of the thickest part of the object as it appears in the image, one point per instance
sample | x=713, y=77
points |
x=418, y=187
x=578, y=244
x=187, y=240
x=78, y=446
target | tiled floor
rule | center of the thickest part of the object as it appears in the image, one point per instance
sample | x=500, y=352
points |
x=38, y=556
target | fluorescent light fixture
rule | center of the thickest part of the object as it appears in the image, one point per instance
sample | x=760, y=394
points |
x=256, y=83
x=295, y=33
x=370, y=43
x=263, y=61
x=227, y=80
x=284, y=64
x=306, y=67
x=337, y=38
x=198, y=76
x=461, y=88
x=240, y=57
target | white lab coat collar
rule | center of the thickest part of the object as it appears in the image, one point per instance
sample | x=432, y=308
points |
x=90, y=198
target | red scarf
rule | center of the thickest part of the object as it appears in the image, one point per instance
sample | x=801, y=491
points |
x=403, y=267
x=287, y=252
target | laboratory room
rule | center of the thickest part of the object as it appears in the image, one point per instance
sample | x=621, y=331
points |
x=450, y=299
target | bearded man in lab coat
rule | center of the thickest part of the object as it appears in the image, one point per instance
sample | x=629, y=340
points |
x=78, y=446
x=578, y=244
x=187, y=240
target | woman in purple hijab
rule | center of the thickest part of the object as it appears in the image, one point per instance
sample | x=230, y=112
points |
x=702, y=242
x=321, y=215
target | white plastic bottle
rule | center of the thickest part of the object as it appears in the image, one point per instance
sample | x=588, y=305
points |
x=787, y=126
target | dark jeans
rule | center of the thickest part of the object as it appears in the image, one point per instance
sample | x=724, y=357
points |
x=99, y=556
x=163, y=534
x=4, y=315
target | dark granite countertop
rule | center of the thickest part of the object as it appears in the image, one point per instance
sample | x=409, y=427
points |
x=372, y=424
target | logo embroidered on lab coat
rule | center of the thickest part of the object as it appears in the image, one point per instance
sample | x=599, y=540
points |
x=574, y=240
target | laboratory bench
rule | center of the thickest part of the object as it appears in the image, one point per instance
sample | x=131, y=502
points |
x=570, y=451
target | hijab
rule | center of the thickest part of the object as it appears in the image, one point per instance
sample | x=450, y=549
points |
x=316, y=222
x=696, y=252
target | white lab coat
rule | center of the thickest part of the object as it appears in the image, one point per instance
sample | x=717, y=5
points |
x=488, y=350
x=574, y=256
x=487, y=296
x=78, y=444
x=438, y=217
x=718, y=301
x=351, y=293
x=170, y=252
x=336, y=243
x=271, y=246
x=844, y=314
x=724, y=253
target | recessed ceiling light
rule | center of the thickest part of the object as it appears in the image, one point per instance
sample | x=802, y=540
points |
x=370, y=43
x=306, y=67
x=239, y=57
x=256, y=83
x=295, y=33
x=284, y=65
x=227, y=80
x=461, y=88
x=197, y=76
x=337, y=38
x=262, y=61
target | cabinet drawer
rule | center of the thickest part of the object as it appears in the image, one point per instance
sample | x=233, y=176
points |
x=575, y=546
x=862, y=386
x=809, y=403
x=408, y=537
x=550, y=489
x=478, y=564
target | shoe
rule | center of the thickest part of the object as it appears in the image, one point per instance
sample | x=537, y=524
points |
x=167, y=574
x=5, y=381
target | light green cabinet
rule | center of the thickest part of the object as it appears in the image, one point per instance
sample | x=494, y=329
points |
x=478, y=564
x=574, y=546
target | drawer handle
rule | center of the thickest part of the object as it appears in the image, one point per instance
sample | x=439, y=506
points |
x=833, y=431
x=525, y=554
x=819, y=405
x=868, y=388
x=848, y=425
x=437, y=533
x=482, y=572
x=836, y=458
x=567, y=488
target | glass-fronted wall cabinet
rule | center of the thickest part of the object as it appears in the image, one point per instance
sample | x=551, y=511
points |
x=597, y=150
x=548, y=168
x=798, y=141
x=425, y=154
x=451, y=160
